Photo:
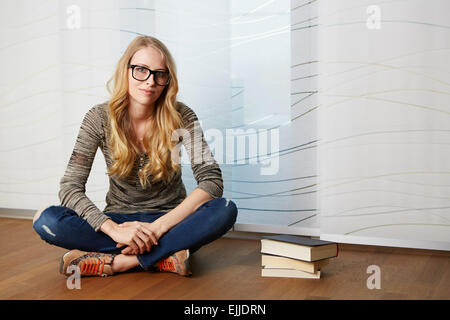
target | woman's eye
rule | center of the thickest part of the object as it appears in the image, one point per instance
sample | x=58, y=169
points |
x=141, y=69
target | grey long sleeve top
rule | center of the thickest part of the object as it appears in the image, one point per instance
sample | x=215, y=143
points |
x=126, y=195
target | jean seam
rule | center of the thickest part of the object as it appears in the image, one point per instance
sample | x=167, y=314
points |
x=35, y=222
x=141, y=263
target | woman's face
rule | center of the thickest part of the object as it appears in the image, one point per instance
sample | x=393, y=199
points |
x=146, y=92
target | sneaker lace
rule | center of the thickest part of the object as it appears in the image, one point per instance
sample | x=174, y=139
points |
x=92, y=266
x=166, y=265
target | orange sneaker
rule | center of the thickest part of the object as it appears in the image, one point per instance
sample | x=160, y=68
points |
x=90, y=263
x=176, y=263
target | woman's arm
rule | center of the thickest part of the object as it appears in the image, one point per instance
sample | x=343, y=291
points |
x=205, y=169
x=184, y=209
x=72, y=192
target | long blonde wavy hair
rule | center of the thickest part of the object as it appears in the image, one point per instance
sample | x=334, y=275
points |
x=157, y=138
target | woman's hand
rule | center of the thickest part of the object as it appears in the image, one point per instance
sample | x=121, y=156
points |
x=153, y=231
x=134, y=235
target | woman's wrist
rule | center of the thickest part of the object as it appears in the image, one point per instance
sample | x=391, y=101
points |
x=108, y=227
x=161, y=227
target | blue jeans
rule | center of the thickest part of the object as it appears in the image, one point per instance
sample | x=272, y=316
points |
x=62, y=227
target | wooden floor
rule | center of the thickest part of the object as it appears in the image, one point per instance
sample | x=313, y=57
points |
x=225, y=269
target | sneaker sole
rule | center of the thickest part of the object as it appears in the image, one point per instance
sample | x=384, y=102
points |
x=187, y=266
x=61, y=264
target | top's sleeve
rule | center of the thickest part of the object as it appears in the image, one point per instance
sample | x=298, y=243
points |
x=205, y=169
x=72, y=184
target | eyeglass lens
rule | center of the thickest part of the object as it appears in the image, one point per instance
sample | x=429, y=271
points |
x=160, y=77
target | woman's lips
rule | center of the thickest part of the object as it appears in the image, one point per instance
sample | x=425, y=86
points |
x=147, y=92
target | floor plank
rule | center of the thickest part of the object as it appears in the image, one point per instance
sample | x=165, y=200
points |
x=225, y=269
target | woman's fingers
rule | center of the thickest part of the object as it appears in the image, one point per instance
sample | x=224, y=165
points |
x=127, y=250
x=139, y=242
x=146, y=239
x=141, y=246
x=133, y=245
x=150, y=234
x=142, y=240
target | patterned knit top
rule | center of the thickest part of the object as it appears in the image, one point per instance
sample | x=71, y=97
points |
x=127, y=195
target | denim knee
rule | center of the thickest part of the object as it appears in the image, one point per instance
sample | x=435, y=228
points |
x=228, y=211
x=46, y=224
x=231, y=208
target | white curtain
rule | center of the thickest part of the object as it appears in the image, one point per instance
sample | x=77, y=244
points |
x=276, y=189
x=385, y=123
x=55, y=59
x=328, y=118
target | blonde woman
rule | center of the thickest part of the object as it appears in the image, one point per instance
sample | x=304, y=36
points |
x=149, y=222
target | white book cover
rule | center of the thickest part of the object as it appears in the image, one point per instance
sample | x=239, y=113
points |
x=288, y=273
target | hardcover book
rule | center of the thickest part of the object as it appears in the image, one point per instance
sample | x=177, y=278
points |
x=288, y=273
x=270, y=261
x=300, y=248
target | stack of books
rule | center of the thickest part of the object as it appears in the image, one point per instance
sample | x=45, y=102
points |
x=295, y=257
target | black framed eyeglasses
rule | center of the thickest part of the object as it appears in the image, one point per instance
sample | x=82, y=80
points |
x=141, y=73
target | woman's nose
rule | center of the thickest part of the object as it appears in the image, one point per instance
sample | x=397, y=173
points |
x=151, y=80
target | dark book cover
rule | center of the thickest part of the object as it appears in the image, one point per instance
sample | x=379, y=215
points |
x=299, y=240
x=309, y=261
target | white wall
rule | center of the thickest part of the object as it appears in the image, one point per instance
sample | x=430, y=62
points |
x=54, y=65
x=384, y=123
x=359, y=113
